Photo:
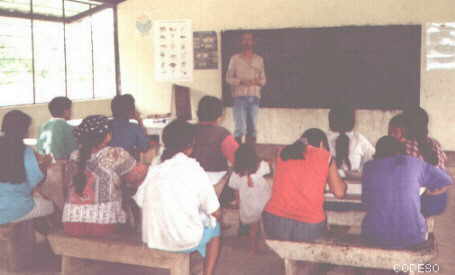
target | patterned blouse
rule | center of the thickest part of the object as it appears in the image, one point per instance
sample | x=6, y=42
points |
x=101, y=202
x=412, y=149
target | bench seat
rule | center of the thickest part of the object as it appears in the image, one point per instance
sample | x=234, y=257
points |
x=82, y=253
x=17, y=243
x=350, y=250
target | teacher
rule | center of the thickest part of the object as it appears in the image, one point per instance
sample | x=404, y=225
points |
x=246, y=76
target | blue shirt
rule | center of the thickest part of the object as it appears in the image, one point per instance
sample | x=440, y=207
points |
x=390, y=192
x=16, y=199
x=129, y=136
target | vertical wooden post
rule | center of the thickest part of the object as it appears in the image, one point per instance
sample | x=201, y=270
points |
x=290, y=267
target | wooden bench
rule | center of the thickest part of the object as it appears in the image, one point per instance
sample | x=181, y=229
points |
x=350, y=250
x=82, y=255
x=17, y=243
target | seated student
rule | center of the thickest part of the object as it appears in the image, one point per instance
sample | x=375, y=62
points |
x=128, y=135
x=420, y=145
x=214, y=146
x=254, y=190
x=96, y=172
x=390, y=192
x=20, y=173
x=295, y=211
x=179, y=204
x=56, y=136
x=349, y=148
x=396, y=127
x=56, y=139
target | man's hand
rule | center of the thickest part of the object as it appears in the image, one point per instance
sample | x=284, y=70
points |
x=138, y=118
x=248, y=82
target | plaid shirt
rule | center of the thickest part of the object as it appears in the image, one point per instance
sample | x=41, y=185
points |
x=412, y=149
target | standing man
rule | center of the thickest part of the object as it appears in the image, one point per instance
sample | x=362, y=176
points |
x=246, y=76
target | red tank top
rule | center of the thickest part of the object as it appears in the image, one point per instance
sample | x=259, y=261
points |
x=298, y=188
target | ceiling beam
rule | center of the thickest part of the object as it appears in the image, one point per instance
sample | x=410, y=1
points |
x=27, y=15
x=87, y=13
x=113, y=2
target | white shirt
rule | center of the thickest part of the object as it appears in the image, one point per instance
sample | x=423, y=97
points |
x=174, y=197
x=360, y=149
x=253, y=199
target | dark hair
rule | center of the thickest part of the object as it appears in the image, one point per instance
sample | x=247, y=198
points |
x=312, y=136
x=123, y=106
x=86, y=144
x=14, y=127
x=342, y=120
x=416, y=129
x=315, y=136
x=59, y=105
x=177, y=137
x=397, y=121
x=388, y=146
x=209, y=108
x=246, y=160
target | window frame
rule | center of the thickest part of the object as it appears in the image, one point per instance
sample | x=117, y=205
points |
x=93, y=9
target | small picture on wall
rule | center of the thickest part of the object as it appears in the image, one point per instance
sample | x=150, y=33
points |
x=205, y=50
x=173, y=45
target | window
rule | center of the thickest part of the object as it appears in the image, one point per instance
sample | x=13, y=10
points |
x=54, y=55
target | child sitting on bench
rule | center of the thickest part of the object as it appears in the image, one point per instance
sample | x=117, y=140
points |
x=390, y=191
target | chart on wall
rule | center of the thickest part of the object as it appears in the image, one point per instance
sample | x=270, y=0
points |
x=440, y=46
x=173, y=43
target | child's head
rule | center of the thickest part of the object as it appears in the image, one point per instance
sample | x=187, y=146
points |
x=317, y=138
x=313, y=136
x=14, y=127
x=246, y=160
x=342, y=120
x=416, y=123
x=16, y=124
x=93, y=132
x=210, y=109
x=388, y=146
x=178, y=137
x=416, y=128
x=396, y=127
x=60, y=107
x=123, y=106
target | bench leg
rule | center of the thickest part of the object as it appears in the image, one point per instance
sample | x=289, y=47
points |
x=290, y=267
x=182, y=267
x=76, y=266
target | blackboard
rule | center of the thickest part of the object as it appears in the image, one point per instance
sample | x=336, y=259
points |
x=370, y=67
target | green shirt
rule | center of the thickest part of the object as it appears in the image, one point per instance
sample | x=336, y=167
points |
x=56, y=138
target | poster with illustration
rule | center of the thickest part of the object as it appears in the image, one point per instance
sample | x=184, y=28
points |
x=205, y=50
x=173, y=43
x=440, y=46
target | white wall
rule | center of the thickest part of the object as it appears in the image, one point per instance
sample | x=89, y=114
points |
x=282, y=125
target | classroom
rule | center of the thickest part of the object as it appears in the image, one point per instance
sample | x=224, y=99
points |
x=94, y=52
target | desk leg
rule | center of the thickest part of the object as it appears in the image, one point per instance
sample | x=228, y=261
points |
x=290, y=267
x=181, y=267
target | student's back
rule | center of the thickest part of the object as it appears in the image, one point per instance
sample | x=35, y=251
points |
x=125, y=134
x=390, y=191
x=56, y=135
x=129, y=136
x=298, y=189
x=349, y=148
